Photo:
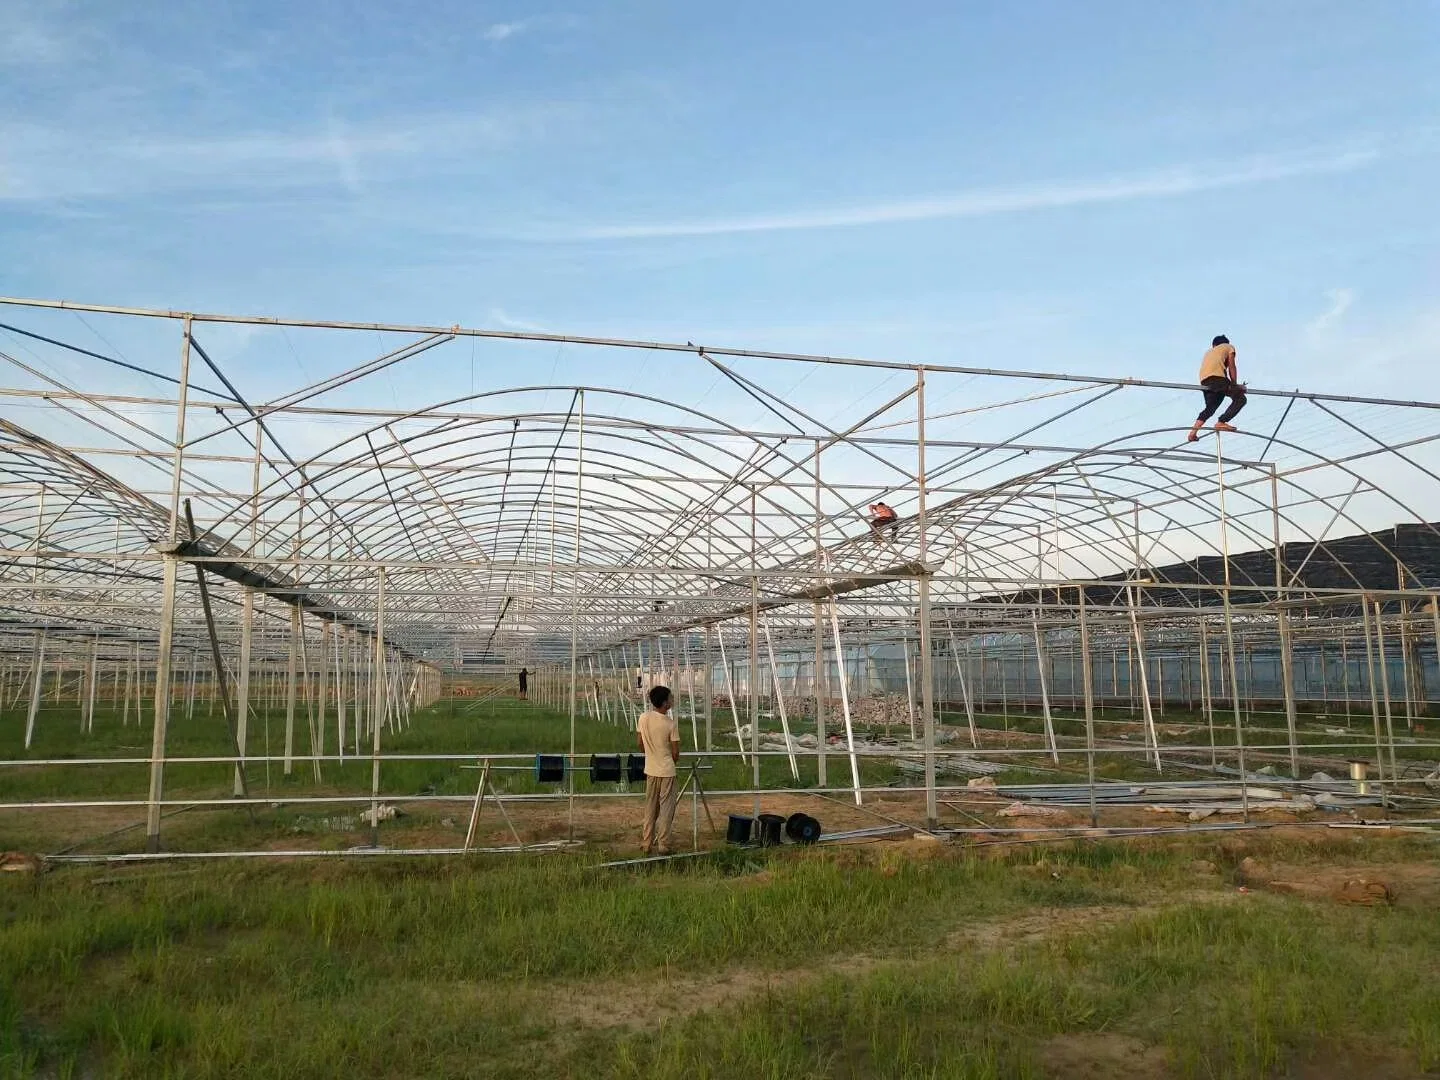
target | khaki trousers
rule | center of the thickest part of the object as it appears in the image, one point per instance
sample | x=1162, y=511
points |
x=659, y=813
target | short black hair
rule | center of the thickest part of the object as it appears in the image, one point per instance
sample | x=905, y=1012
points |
x=1220, y=339
x=659, y=695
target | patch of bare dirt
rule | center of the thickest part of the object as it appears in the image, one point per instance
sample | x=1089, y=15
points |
x=1103, y=1056
x=639, y=1003
x=1051, y=922
x=1412, y=884
x=1335, y=1061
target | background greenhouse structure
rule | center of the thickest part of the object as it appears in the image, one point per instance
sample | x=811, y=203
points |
x=252, y=562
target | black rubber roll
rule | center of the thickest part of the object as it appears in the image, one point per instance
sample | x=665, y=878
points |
x=771, y=828
x=605, y=768
x=806, y=830
x=635, y=768
x=549, y=768
x=738, y=831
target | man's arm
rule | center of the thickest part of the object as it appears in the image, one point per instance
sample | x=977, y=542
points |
x=1231, y=369
x=640, y=740
x=675, y=750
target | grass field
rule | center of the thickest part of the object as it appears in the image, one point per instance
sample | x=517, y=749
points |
x=913, y=959
x=879, y=961
x=451, y=727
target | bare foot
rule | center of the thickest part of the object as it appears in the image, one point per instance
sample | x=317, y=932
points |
x=1194, y=435
x=1221, y=426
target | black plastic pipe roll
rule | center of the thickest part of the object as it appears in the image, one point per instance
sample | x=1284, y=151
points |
x=635, y=768
x=549, y=768
x=738, y=831
x=605, y=768
x=802, y=828
x=771, y=826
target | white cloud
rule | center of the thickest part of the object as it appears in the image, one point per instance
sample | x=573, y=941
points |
x=1165, y=183
x=500, y=319
x=41, y=163
x=1340, y=301
x=502, y=30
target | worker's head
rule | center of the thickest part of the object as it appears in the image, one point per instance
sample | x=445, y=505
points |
x=1220, y=339
x=660, y=698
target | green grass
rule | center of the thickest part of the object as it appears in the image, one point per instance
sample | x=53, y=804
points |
x=1228, y=992
x=454, y=968
x=452, y=726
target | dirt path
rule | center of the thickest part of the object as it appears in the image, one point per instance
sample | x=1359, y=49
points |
x=637, y=1002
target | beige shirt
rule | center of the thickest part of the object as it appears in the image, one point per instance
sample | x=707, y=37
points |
x=1215, y=361
x=657, y=732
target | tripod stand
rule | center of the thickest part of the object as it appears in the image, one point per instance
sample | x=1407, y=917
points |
x=697, y=800
x=480, y=790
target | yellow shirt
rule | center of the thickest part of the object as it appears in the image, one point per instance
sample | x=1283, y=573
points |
x=1215, y=361
x=657, y=732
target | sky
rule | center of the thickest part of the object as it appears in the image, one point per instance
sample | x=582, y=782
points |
x=1091, y=187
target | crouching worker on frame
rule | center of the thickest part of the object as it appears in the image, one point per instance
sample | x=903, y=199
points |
x=659, y=737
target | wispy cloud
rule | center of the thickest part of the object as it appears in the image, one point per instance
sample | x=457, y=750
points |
x=499, y=318
x=501, y=31
x=1159, y=184
x=1340, y=301
x=41, y=163
x=505, y=31
x=30, y=36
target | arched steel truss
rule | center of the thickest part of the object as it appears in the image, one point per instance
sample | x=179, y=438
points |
x=548, y=525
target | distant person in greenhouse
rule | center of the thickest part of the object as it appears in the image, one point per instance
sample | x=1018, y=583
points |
x=524, y=684
x=659, y=736
x=883, y=517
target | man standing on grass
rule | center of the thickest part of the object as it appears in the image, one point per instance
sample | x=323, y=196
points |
x=659, y=737
x=524, y=684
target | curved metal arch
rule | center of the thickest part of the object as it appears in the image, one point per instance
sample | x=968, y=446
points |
x=509, y=391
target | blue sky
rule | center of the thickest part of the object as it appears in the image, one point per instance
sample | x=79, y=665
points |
x=1094, y=187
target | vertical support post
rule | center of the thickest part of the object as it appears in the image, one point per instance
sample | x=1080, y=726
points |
x=1435, y=637
x=1089, y=678
x=242, y=692
x=909, y=683
x=1152, y=735
x=1044, y=688
x=37, y=679
x=845, y=701
x=1373, y=683
x=167, y=608
x=730, y=690
x=780, y=702
x=927, y=660
x=322, y=690
x=378, y=708
x=821, y=680
x=291, y=689
x=575, y=606
x=820, y=685
x=965, y=694
x=1287, y=658
x=92, y=677
x=132, y=691
x=1385, y=687
x=709, y=700
x=1207, y=702
x=752, y=682
x=1230, y=638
